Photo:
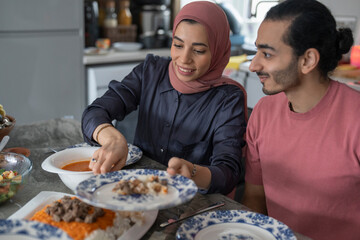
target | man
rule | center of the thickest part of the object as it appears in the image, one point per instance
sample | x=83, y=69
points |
x=303, y=153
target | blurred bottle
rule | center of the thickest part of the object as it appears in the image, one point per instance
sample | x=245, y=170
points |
x=102, y=13
x=124, y=16
x=91, y=13
x=111, y=16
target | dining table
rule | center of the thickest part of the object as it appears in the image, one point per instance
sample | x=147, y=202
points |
x=42, y=138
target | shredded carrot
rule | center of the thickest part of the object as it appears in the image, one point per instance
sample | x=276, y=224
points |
x=76, y=230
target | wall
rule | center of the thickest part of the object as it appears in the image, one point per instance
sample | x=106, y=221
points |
x=346, y=8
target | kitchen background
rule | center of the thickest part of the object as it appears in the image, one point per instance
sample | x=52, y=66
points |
x=50, y=68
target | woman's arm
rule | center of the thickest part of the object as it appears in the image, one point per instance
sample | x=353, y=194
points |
x=199, y=174
x=228, y=143
x=120, y=99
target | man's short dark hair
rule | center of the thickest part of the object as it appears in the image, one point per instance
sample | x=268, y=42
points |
x=313, y=26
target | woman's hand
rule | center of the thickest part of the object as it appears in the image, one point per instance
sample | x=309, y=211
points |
x=199, y=174
x=112, y=154
x=179, y=166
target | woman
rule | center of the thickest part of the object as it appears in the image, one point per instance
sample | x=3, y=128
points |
x=190, y=117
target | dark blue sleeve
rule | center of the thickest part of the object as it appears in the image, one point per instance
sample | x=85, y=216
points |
x=226, y=166
x=120, y=99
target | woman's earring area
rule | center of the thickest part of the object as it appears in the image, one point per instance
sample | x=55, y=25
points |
x=93, y=160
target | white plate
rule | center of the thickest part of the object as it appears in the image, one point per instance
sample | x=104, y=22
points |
x=233, y=224
x=47, y=197
x=97, y=191
x=24, y=230
x=127, y=46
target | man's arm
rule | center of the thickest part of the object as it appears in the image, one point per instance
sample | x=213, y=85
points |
x=254, y=198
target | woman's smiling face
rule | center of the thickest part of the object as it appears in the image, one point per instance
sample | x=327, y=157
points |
x=190, y=52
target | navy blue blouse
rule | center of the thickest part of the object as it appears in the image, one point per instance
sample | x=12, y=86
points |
x=204, y=128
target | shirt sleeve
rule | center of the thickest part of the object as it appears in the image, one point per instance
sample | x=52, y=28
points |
x=226, y=161
x=120, y=99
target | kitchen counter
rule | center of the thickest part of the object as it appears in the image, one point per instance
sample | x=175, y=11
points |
x=114, y=57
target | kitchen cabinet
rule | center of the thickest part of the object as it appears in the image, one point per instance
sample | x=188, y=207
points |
x=41, y=68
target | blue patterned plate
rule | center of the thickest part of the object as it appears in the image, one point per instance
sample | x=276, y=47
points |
x=25, y=229
x=97, y=191
x=233, y=224
x=134, y=153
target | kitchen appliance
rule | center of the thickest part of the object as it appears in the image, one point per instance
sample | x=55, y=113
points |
x=154, y=20
x=235, y=23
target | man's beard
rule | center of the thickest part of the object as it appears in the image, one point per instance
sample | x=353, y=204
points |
x=287, y=78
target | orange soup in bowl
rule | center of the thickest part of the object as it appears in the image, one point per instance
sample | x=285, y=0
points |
x=80, y=166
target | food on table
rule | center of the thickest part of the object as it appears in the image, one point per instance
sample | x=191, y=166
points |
x=9, y=183
x=4, y=120
x=151, y=185
x=103, y=43
x=83, y=221
x=6, y=175
x=80, y=166
x=2, y=111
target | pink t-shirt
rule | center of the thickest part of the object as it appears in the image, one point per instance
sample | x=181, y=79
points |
x=309, y=163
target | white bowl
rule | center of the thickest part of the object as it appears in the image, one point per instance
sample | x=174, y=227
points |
x=55, y=162
x=71, y=179
x=127, y=46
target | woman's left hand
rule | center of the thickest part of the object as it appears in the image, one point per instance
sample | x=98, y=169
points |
x=201, y=175
x=179, y=166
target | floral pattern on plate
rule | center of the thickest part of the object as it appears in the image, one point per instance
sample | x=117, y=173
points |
x=134, y=153
x=233, y=224
x=25, y=229
x=97, y=191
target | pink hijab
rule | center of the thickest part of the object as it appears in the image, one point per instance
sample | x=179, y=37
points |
x=213, y=18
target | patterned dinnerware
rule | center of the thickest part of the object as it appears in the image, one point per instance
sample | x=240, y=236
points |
x=25, y=229
x=97, y=191
x=233, y=224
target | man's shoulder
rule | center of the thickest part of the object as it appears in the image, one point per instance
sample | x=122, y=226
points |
x=347, y=90
x=346, y=96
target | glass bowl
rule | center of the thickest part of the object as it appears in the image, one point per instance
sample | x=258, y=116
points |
x=14, y=162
